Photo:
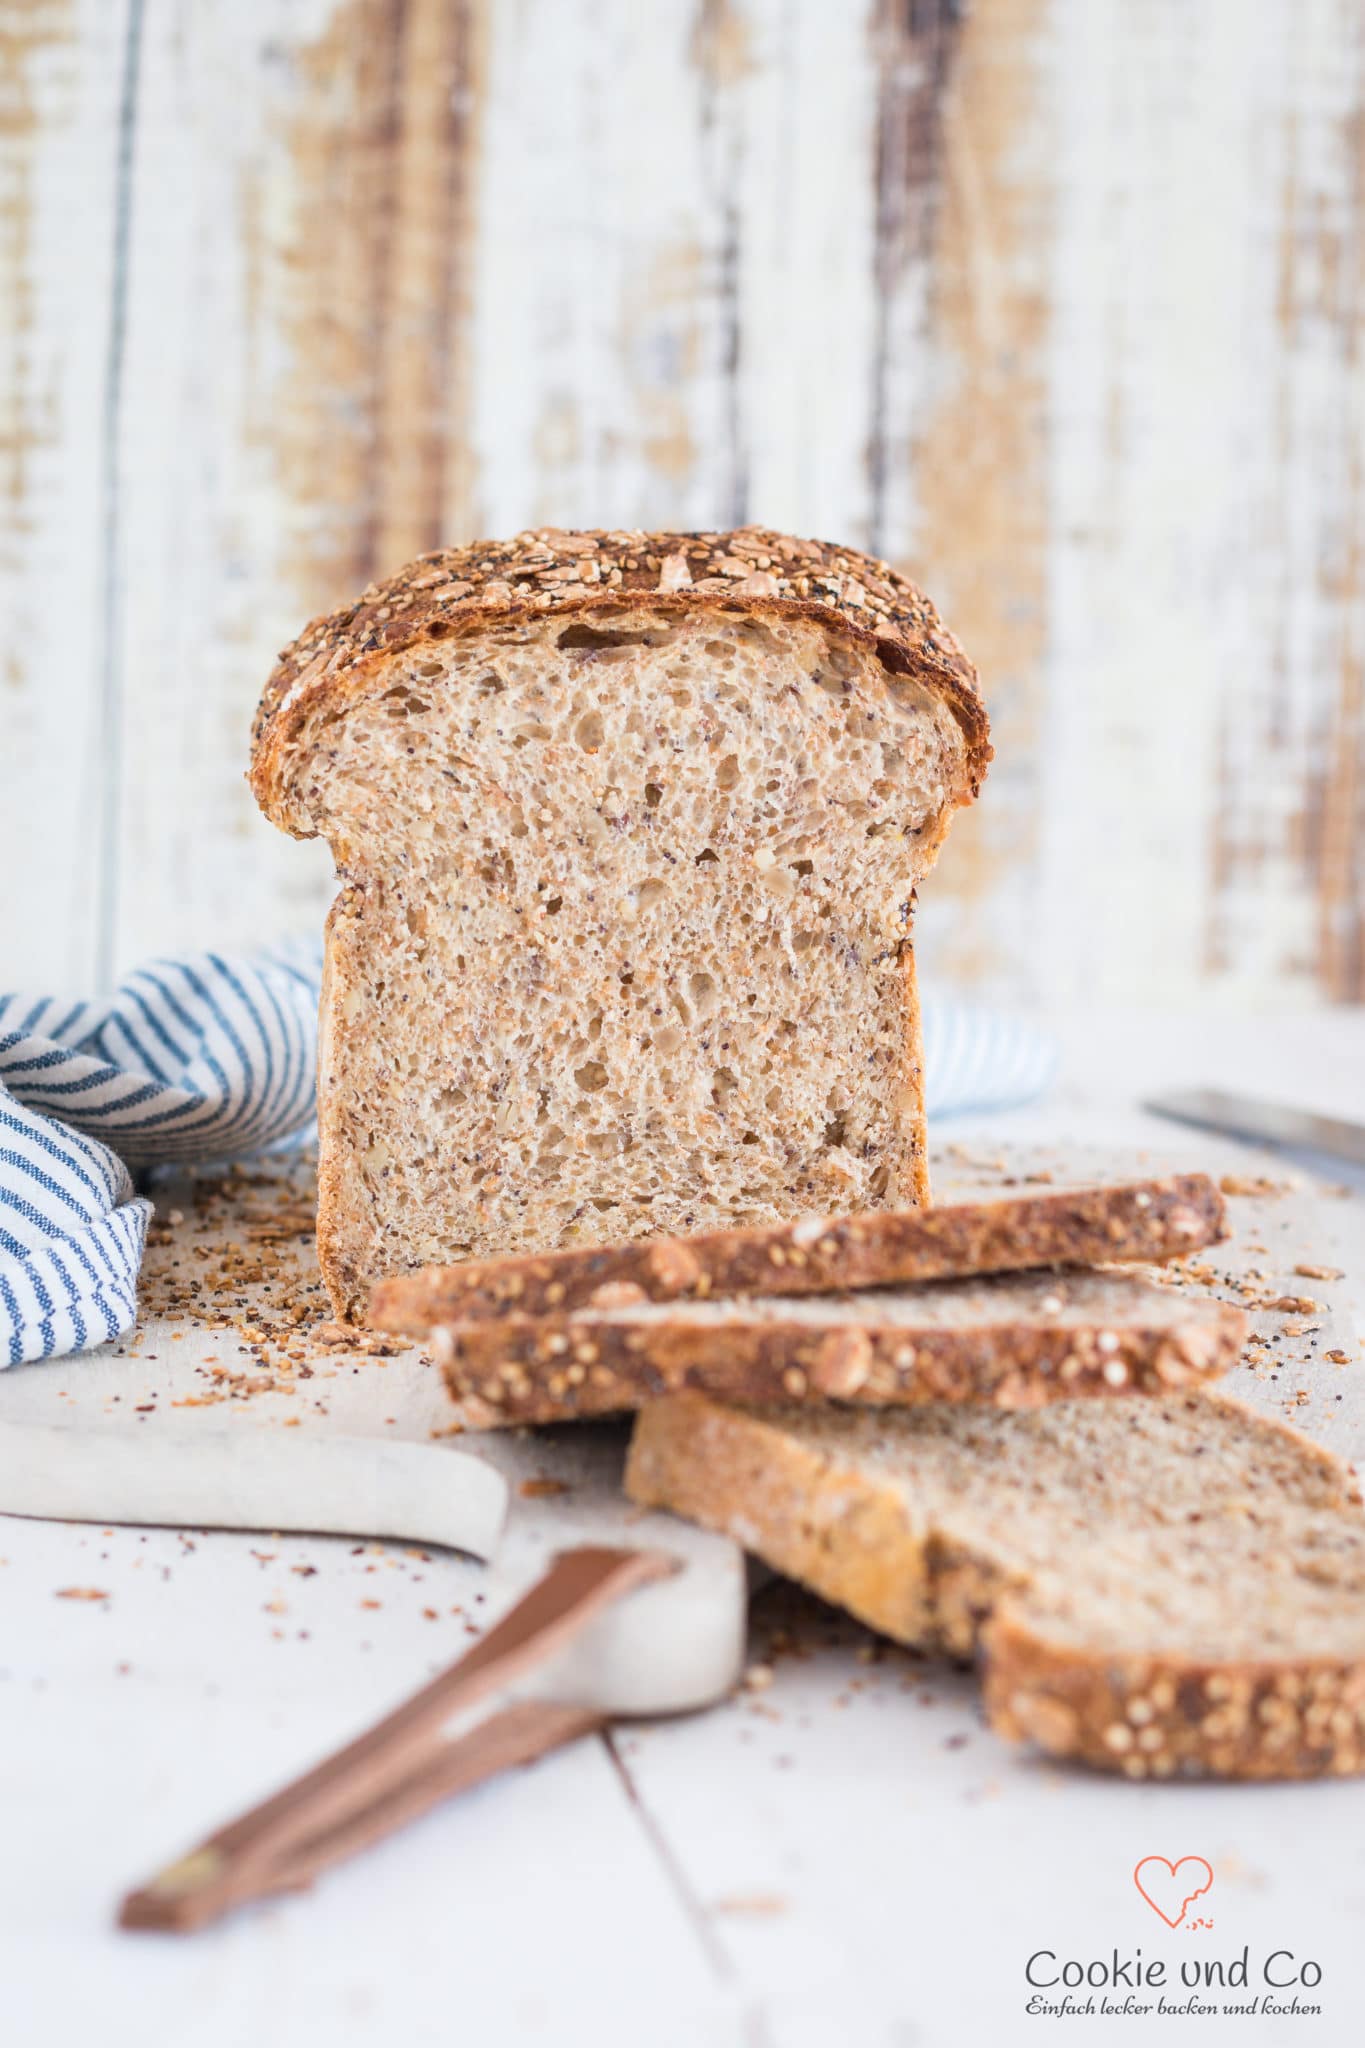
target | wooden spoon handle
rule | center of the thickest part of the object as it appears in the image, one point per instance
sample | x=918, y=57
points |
x=259, y=1851
x=208, y=1883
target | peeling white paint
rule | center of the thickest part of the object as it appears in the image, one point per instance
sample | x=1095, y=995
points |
x=671, y=317
x=58, y=145
x=1198, y=457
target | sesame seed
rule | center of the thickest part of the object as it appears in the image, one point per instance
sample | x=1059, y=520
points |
x=565, y=571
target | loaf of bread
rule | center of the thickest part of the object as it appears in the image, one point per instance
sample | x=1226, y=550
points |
x=628, y=828
x=1163, y=1586
x=1145, y=1219
x=1014, y=1341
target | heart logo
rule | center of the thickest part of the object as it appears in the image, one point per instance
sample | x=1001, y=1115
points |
x=1170, y=1887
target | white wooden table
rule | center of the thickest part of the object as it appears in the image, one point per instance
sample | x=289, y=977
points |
x=843, y=1854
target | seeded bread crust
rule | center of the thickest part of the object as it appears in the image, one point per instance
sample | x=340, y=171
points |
x=1147, y=1717
x=752, y=570
x=855, y=1539
x=1149, y=1220
x=1011, y=1343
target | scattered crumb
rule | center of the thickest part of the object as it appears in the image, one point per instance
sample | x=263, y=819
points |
x=237, y=1258
x=81, y=1593
x=542, y=1489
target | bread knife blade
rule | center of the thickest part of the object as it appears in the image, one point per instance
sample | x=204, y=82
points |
x=174, y=1477
x=1264, y=1123
x=675, y=1646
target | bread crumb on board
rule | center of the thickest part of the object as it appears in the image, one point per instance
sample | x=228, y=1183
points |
x=1252, y=1184
x=233, y=1253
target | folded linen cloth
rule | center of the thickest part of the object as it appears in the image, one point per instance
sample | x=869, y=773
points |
x=208, y=1057
x=978, y=1058
x=213, y=1057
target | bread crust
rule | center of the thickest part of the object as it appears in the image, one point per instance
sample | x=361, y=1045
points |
x=1149, y=1220
x=345, y=1288
x=1151, y=1718
x=558, y=1368
x=859, y=1544
x=913, y=1121
x=547, y=570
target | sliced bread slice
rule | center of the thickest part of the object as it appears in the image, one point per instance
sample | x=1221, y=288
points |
x=1012, y=1340
x=629, y=828
x=1161, y=1586
x=1145, y=1219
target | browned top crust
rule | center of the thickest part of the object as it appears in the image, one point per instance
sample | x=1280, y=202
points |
x=549, y=570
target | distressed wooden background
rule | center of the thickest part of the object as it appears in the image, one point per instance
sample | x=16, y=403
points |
x=1057, y=302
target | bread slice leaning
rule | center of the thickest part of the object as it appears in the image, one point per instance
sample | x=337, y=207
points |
x=1147, y=1219
x=1165, y=1586
x=1014, y=1340
x=629, y=827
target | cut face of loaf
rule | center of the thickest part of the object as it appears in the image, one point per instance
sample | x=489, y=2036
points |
x=1156, y=1585
x=1014, y=1341
x=624, y=942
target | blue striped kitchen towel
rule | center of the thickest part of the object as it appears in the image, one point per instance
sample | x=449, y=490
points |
x=977, y=1058
x=214, y=1057
x=208, y=1057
